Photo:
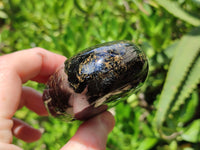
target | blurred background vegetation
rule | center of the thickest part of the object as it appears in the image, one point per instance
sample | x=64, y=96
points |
x=164, y=114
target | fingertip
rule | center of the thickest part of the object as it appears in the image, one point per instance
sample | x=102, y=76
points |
x=27, y=134
x=32, y=99
x=8, y=146
x=108, y=119
x=92, y=134
x=24, y=132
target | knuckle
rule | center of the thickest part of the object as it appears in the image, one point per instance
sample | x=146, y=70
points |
x=3, y=62
x=38, y=49
x=5, y=68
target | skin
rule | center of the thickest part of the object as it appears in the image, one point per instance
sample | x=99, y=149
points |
x=37, y=65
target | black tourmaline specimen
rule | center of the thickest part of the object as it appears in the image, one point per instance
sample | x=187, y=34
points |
x=95, y=79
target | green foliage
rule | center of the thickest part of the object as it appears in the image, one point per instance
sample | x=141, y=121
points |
x=183, y=75
x=191, y=133
x=175, y=9
x=164, y=114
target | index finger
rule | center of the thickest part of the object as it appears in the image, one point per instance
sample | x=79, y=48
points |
x=16, y=68
x=35, y=64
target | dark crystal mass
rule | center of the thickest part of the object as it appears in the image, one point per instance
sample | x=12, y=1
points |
x=97, y=77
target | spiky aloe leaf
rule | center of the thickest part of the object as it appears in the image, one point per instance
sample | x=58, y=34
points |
x=186, y=52
x=190, y=84
x=173, y=8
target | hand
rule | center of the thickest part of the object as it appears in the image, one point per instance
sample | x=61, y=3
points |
x=38, y=64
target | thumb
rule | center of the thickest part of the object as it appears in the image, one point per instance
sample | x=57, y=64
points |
x=92, y=134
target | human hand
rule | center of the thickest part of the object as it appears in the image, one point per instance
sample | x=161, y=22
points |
x=38, y=64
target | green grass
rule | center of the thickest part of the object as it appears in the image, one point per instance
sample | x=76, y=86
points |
x=67, y=27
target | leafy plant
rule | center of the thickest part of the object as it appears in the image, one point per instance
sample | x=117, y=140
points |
x=182, y=78
x=164, y=114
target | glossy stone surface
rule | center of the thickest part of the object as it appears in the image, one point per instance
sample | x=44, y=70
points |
x=95, y=79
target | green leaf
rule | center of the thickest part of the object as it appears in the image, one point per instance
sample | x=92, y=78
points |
x=169, y=51
x=189, y=108
x=77, y=3
x=147, y=143
x=192, y=132
x=173, y=8
x=190, y=84
x=186, y=51
x=3, y=15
